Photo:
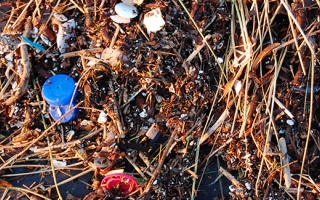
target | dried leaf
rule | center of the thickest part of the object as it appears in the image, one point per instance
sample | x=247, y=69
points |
x=4, y=183
x=262, y=55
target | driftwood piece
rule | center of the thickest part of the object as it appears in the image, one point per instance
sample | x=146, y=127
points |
x=25, y=61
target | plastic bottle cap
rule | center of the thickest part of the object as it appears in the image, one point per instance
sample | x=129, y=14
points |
x=58, y=89
x=56, y=112
x=119, y=184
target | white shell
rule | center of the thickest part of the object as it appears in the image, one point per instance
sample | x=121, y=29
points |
x=120, y=20
x=153, y=20
x=126, y=11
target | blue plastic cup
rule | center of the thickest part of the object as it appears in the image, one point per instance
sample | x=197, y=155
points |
x=58, y=91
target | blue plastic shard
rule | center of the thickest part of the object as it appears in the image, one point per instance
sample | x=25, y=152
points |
x=33, y=44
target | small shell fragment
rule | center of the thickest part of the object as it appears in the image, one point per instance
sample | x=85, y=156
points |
x=126, y=11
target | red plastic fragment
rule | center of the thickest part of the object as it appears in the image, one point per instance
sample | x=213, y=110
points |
x=119, y=184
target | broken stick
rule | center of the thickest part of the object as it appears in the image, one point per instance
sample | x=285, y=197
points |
x=285, y=162
x=24, y=77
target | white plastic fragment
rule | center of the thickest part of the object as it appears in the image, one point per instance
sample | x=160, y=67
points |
x=34, y=32
x=111, y=56
x=110, y=136
x=155, y=182
x=116, y=171
x=290, y=122
x=60, y=17
x=32, y=149
x=18, y=124
x=10, y=64
x=45, y=40
x=132, y=2
x=9, y=56
x=171, y=89
x=91, y=63
x=183, y=116
x=126, y=11
x=85, y=122
x=231, y=188
x=138, y=2
x=220, y=60
x=153, y=21
x=57, y=163
x=102, y=117
x=120, y=20
x=152, y=132
x=101, y=162
x=248, y=186
x=143, y=114
x=237, y=86
x=64, y=33
x=70, y=135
